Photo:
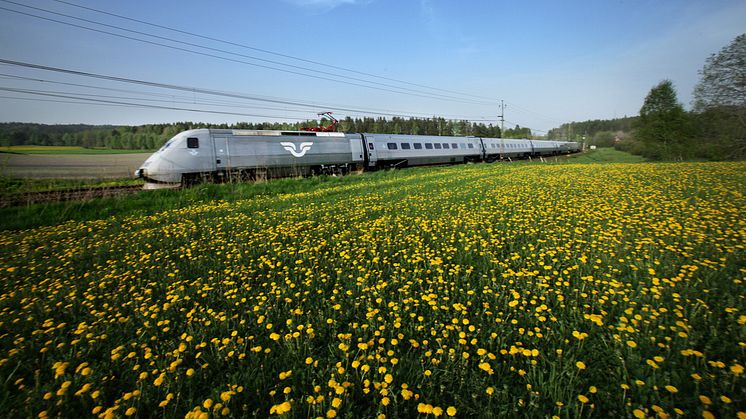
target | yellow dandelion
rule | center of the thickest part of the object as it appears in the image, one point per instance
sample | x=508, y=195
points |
x=736, y=369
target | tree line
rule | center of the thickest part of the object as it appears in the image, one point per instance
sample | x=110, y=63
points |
x=715, y=128
x=598, y=132
x=152, y=136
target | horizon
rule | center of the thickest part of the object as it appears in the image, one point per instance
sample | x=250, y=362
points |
x=562, y=63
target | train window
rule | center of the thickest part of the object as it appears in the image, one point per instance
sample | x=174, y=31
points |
x=471, y=145
x=405, y=146
x=192, y=142
x=454, y=145
x=429, y=146
x=445, y=145
x=370, y=146
x=417, y=146
x=391, y=146
x=438, y=146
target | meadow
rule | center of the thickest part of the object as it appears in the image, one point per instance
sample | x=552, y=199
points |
x=566, y=290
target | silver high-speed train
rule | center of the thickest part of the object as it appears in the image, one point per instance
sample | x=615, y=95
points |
x=219, y=154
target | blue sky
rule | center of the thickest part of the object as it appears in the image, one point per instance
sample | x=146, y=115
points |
x=550, y=61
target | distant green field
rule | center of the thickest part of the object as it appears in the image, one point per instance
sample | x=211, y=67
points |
x=605, y=155
x=41, y=149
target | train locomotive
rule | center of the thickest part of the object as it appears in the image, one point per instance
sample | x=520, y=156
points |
x=219, y=154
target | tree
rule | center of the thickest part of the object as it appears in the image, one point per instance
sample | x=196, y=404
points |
x=518, y=132
x=723, y=81
x=720, y=103
x=663, y=124
x=603, y=139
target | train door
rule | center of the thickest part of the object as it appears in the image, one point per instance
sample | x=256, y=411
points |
x=222, y=156
x=357, y=148
x=371, y=151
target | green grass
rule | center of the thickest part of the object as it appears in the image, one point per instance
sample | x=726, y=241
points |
x=152, y=201
x=13, y=185
x=39, y=149
x=605, y=155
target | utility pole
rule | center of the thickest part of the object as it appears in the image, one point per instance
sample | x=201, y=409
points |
x=502, y=118
x=502, y=128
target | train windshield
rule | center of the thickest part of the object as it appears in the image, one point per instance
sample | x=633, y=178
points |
x=168, y=144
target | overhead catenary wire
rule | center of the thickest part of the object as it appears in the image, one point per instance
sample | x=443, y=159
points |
x=165, y=96
x=269, y=52
x=325, y=75
x=115, y=102
x=205, y=91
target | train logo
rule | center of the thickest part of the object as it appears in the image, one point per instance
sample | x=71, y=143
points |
x=297, y=152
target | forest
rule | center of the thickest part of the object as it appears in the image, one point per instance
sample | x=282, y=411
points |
x=152, y=136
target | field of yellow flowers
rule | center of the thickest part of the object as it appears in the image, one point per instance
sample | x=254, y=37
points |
x=481, y=290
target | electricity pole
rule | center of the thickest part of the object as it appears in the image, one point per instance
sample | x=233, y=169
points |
x=502, y=128
x=502, y=118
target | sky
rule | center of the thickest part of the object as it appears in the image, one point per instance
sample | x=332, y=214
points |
x=224, y=61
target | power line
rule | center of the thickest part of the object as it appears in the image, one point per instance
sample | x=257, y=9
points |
x=143, y=105
x=168, y=97
x=203, y=91
x=83, y=100
x=532, y=129
x=545, y=117
x=267, y=51
x=386, y=87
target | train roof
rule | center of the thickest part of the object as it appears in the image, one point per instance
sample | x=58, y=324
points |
x=275, y=133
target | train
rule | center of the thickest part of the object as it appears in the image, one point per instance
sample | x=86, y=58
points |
x=215, y=155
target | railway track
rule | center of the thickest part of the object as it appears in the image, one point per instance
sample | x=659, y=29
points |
x=61, y=195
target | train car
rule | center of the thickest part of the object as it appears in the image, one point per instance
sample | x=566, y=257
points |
x=211, y=154
x=395, y=150
x=569, y=147
x=544, y=148
x=500, y=148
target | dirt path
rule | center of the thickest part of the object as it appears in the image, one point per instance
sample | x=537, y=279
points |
x=80, y=166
